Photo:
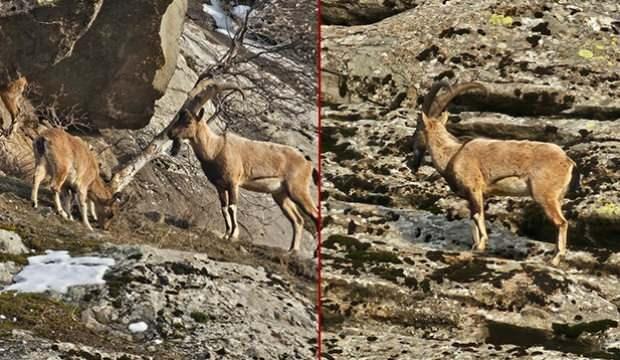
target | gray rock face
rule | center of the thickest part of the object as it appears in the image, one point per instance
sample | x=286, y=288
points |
x=194, y=308
x=412, y=272
x=399, y=279
x=356, y=12
x=231, y=309
x=11, y=243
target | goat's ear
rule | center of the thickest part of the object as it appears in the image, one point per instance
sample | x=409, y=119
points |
x=444, y=117
x=201, y=114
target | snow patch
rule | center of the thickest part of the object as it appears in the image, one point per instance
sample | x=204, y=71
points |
x=57, y=271
x=240, y=11
x=138, y=327
x=223, y=21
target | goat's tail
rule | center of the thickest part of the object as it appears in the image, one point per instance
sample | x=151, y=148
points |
x=315, y=176
x=39, y=146
x=315, y=173
x=575, y=181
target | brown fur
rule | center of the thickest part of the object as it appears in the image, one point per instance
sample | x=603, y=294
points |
x=498, y=167
x=70, y=163
x=12, y=95
x=230, y=162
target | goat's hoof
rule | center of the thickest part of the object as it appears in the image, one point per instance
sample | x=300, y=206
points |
x=231, y=238
x=478, y=249
x=234, y=237
x=557, y=259
x=293, y=251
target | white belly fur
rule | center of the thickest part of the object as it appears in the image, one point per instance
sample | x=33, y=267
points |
x=266, y=185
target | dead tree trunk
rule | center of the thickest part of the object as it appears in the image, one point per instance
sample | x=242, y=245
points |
x=155, y=148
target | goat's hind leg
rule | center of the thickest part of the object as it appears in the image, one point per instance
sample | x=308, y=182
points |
x=301, y=196
x=553, y=210
x=39, y=174
x=290, y=211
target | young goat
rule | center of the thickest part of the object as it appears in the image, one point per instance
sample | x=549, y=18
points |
x=68, y=161
x=230, y=162
x=494, y=167
x=12, y=94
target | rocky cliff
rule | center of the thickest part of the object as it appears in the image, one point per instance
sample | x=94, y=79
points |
x=129, y=65
x=399, y=279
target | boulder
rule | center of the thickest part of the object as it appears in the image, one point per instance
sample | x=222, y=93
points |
x=356, y=12
x=35, y=35
x=123, y=63
x=11, y=243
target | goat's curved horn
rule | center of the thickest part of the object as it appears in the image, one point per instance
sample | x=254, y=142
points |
x=430, y=97
x=205, y=90
x=441, y=102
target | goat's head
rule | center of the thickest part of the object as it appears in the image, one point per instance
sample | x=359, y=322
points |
x=186, y=125
x=188, y=120
x=107, y=210
x=433, y=117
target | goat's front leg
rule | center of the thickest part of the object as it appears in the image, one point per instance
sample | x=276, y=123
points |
x=233, y=197
x=479, y=230
x=68, y=202
x=475, y=234
x=57, y=184
x=223, y=195
x=479, y=218
x=83, y=203
x=58, y=203
x=93, y=210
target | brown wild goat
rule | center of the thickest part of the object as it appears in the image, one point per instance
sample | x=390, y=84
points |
x=230, y=162
x=70, y=163
x=11, y=96
x=494, y=167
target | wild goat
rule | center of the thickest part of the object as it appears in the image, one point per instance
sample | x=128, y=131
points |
x=69, y=161
x=494, y=167
x=230, y=162
x=11, y=96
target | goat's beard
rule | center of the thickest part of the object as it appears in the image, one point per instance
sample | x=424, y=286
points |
x=176, y=147
x=418, y=156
